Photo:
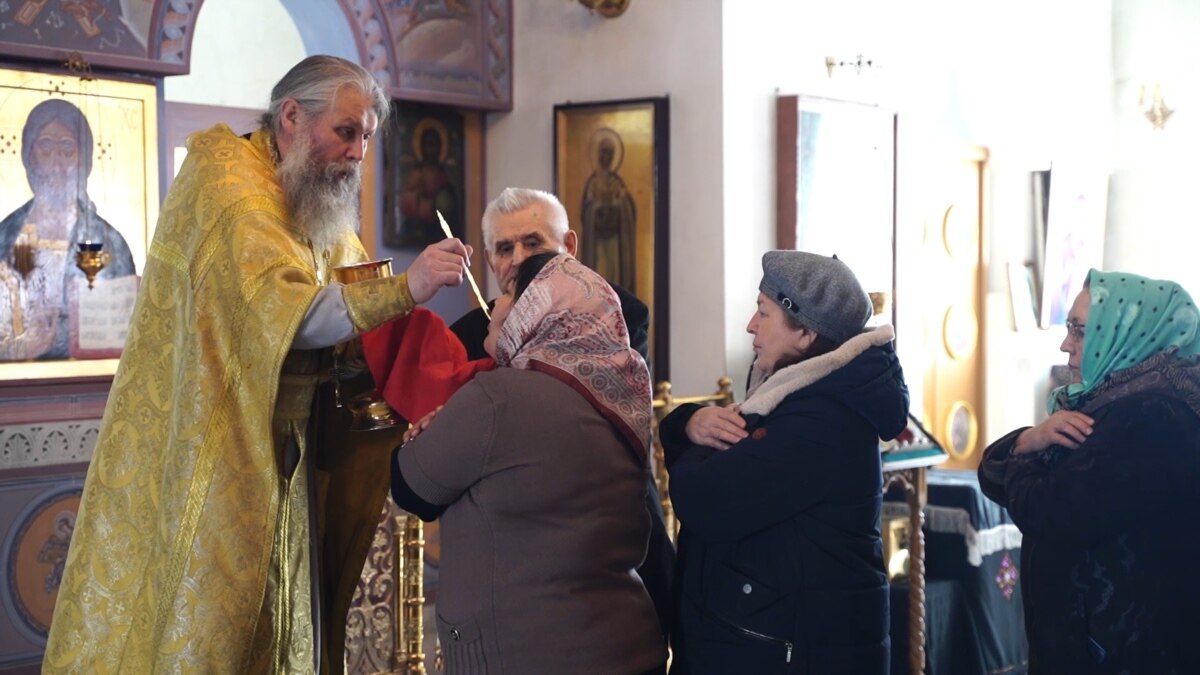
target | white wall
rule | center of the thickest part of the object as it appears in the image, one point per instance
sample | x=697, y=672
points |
x=1001, y=76
x=780, y=48
x=658, y=47
x=1151, y=219
x=229, y=65
x=1027, y=79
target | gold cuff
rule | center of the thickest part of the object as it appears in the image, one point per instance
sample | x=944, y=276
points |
x=373, y=302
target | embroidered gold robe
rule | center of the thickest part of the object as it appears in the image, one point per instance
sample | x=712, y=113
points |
x=191, y=552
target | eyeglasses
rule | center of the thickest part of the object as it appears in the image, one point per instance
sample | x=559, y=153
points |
x=1075, y=329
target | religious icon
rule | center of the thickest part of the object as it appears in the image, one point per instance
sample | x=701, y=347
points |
x=608, y=213
x=78, y=178
x=37, y=251
x=35, y=555
x=112, y=27
x=423, y=162
x=611, y=173
x=962, y=430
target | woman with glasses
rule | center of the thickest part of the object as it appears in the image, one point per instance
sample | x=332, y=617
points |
x=1107, y=488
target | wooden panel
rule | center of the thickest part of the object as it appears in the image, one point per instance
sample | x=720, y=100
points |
x=954, y=260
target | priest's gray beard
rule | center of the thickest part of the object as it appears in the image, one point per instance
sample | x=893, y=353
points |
x=323, y=198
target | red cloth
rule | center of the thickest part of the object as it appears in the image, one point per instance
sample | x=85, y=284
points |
x=418, y=363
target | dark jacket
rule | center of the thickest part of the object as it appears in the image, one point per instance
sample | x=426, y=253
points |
x=780, y=557
x=657, y=571
x=1110, y=547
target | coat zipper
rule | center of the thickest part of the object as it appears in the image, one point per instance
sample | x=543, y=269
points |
x=758, y=636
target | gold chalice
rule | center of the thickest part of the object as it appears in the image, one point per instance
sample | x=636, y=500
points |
x=369, y=410
x=91, y=258
x=371, y=269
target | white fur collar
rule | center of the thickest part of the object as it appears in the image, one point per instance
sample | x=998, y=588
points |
x=765, y=396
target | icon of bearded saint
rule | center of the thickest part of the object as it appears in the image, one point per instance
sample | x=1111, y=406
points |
x=37, y=268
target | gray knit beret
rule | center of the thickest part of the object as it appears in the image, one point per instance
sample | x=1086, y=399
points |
x=820, y=293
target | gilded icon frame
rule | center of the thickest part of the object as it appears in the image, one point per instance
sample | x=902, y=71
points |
x=416, y=186
x=631, y=188
x=123, y=182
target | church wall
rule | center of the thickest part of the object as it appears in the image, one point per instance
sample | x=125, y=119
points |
x=938, y=64
x=656, y=48
x=1028, y=81
x=229, y=37
x=1151, y=228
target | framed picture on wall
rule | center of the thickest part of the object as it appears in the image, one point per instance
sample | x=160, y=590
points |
x=1077, y=196
x=78, y=172
x=424, y=160
x=611, y=173
x=835, y=177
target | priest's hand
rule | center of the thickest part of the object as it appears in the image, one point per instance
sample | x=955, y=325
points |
x=717, y=427
x=440, y=264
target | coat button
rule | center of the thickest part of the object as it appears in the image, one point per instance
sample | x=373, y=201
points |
x=454, y=634
x=746, y=589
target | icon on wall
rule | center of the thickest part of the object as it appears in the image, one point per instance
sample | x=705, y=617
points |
x=424, y=173
x=78, y=172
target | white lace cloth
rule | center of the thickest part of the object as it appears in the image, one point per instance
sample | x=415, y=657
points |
x=951, y=520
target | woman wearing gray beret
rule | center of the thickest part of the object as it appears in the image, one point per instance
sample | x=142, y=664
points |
x=780, y=562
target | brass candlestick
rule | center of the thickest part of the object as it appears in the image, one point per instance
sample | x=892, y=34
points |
x=410, y=594
x=90, y=259
x=369, y=410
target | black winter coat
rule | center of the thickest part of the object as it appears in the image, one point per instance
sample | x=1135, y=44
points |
x=1110, y=551
x=780, y=560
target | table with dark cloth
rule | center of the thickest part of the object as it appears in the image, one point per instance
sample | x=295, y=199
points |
x=971, y=541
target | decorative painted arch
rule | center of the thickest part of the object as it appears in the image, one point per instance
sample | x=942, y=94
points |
x=452, y=52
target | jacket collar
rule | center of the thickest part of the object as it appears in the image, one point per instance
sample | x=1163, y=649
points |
x=764, y=397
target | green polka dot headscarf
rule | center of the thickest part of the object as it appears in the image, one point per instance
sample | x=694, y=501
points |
x=1130, y=319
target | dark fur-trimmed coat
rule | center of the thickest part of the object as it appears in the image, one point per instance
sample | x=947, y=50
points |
x=780, y=559
x=1111, y=551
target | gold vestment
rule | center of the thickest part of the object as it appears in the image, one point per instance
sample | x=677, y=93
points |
x=191, y=552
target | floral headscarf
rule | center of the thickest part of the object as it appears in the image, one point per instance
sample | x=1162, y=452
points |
x=568, y=324
x=1130, y=319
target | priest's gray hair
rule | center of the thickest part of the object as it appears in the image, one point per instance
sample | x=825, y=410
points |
x=512, y=200
x=314, y=84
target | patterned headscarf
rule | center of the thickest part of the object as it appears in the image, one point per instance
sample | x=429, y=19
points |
x=568, y=324
x=1130, y=319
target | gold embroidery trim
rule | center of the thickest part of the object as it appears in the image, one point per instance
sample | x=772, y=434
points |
x=373, y=302
x=207, y=461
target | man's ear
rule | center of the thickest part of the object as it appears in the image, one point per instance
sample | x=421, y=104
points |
x=571, y=242
x=290, y=121
x=487, y=258
x=290, y=116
